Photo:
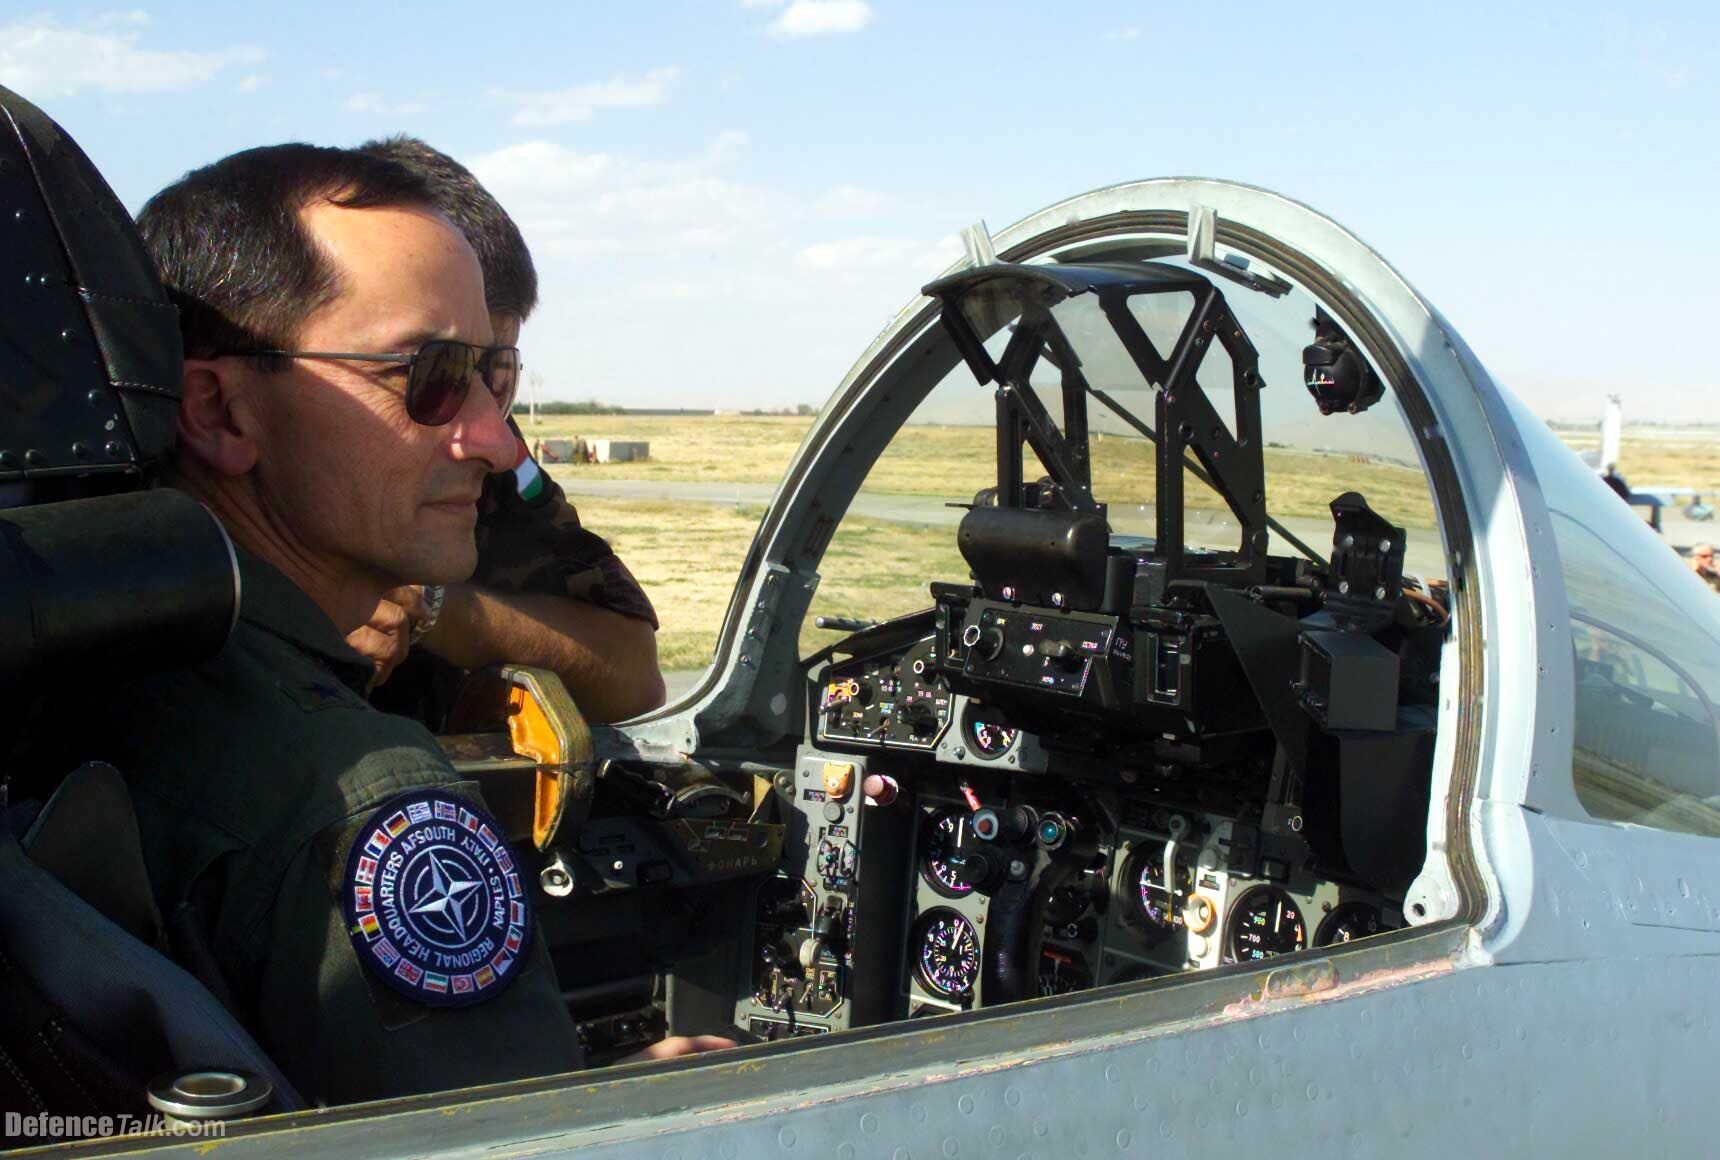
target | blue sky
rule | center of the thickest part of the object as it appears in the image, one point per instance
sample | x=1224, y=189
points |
x=728, y=198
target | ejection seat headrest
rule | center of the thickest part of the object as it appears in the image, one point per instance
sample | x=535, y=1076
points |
x=90, y=359
x=90, y=369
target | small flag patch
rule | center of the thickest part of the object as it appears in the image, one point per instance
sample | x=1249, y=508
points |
x=528, y=478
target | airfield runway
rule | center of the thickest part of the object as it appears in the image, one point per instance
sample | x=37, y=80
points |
x=1424, y=558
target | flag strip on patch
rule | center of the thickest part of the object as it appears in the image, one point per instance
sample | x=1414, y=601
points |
x=418, y=812
x=396, y=823
x=447, y=812
x=528, y=478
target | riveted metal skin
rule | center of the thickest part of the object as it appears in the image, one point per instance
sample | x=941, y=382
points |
x=89, y=342
x=1520, y=1062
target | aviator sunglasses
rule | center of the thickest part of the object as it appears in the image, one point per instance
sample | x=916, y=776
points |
x=437, y=376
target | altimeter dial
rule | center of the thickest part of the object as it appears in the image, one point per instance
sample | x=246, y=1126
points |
x=1264, y=923
x=946, y=953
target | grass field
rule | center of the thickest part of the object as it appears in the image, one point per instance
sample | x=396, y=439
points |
x=1666, y=458
x=688, y=555
x=952, y=462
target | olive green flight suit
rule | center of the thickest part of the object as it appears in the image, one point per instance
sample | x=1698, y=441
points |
x=251, y=775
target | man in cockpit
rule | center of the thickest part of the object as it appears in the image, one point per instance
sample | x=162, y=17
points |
x=357, y=903
x=547, y=592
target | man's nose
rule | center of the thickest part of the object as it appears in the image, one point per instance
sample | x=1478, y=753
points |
x=481, y=431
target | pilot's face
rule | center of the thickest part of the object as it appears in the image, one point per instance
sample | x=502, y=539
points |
x=361, y=487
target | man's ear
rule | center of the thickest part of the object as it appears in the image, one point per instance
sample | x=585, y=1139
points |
x=215, y=425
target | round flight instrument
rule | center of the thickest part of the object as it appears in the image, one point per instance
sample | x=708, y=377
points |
x=946, y=953
x=1155, y=911
x=1066, y=905
x=1264, y=923
x=944, y=833
x=1349, y=922
x=988, y=733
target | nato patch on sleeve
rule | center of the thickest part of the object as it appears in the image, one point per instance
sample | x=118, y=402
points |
x=434, y=901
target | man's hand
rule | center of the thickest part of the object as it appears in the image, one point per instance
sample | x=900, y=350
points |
x=387, y=637
x=676, y=1046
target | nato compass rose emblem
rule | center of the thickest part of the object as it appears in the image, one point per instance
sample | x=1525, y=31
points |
x=434, y=903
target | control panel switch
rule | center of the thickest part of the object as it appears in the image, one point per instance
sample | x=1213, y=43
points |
x=838, y=780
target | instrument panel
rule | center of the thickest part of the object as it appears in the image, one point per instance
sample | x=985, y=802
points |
x=1139, y=883
x=1224, y=909
x=894, y=700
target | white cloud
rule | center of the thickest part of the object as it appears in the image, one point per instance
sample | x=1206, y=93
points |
x=1132, y=32
x=135, y=18
x=252, y=83
x=851, y=201
x=805, y=18
x=601, y=203
x=763, y=3
x=373, y=103
x=42, y=58
x=681, y=281
x=913, y=257
x=578, y=103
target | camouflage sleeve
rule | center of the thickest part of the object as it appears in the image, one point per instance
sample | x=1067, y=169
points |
x=538, y=545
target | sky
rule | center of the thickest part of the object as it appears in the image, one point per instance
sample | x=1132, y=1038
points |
x=728, y=199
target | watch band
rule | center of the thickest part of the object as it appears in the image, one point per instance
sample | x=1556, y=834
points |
x=433, y=594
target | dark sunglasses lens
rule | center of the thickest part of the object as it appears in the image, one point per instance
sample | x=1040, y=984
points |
x=440, y=376
x=502, y=376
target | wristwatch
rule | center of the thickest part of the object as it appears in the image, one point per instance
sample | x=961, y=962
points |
x=433, y=594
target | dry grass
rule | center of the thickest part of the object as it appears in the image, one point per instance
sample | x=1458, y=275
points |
x=1650, y=458
x=953, y=462
x=688, y=556
x=879, y=569
x=696, y=448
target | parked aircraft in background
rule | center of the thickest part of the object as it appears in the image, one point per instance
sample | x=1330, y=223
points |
x=1648, y=499
x=1169, y=826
